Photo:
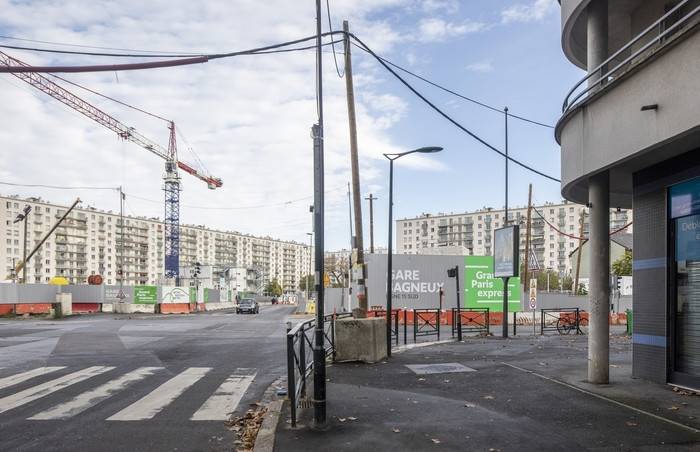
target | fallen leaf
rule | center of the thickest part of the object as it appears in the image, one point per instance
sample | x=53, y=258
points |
x=435, y=441
x=415, y=402
x=341, y=419
x=446, y=381
x=543, y=364
x=631, y=424
x=672, y=408
x=489, y=397
x=352, y=418
x=421, y=379
x=396, y=430
x=469, y=405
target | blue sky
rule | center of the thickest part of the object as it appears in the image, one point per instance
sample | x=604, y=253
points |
x=248, y=118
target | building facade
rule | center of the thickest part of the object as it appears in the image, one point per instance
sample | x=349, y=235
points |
x=629, y=135
x=554, y=231
x=131, y=250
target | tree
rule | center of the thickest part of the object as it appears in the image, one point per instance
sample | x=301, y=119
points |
x=273, y=288
x=337, y=270
x=622, y=266
x=307, y=279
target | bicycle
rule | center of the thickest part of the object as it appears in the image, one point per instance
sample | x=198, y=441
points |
x=568, y=322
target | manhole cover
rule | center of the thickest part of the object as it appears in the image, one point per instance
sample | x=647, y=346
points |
x=421, y=369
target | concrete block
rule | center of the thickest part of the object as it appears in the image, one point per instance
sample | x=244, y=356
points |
x=63, y=305
x=360, y=339
x=122, y=308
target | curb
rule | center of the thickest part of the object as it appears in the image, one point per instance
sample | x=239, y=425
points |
x=265, y=441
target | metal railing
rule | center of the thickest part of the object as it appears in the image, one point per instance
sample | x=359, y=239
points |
x=657, y=34
x=474, y=320
x=426, y=322
x=550, y=317
x=300, y=360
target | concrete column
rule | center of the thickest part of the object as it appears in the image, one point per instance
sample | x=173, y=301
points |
x=599, y=283
x=597, y=36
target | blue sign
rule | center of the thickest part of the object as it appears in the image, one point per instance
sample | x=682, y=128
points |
x=688, y=238
x=684, y=199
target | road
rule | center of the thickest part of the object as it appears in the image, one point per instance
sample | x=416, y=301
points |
x=134, y=382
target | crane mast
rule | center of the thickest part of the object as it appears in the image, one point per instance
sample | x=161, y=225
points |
x=171, y=177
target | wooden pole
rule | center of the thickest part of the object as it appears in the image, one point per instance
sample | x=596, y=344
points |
x=357, y=199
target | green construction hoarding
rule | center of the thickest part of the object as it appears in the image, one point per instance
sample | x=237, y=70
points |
x=483, y=290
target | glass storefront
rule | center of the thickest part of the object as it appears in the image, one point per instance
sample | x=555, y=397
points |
x=684, y=214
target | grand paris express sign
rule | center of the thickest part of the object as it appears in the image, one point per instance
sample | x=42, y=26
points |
x=483, y=290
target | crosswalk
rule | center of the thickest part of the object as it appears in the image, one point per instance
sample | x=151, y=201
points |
x=217, y=407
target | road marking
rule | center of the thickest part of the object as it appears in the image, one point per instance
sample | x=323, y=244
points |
x=24, y=376
x=150, y=405
x=41, y=390
x=225, y=400
x=91, y=398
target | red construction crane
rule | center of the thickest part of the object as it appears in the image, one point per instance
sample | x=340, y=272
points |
x=171, y=177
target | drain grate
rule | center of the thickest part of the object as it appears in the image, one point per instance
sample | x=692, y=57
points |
x=306, y=403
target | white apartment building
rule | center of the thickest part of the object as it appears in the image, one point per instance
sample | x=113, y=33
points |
x=93, y=242
x=554, y=231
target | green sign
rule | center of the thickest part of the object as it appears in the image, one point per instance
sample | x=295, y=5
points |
x=483, y=290
x=145, y=294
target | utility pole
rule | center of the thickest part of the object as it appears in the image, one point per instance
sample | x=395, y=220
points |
x=361, y=310
x=371, y=223
x=527, y=239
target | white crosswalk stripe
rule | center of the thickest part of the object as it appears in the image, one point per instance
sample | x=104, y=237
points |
x=150, y=405
x=88, y=399
x=222, y=403
x=26, y=396
x=218, y=406
x=24, y=376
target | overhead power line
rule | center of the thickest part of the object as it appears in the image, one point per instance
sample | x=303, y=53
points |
x=277, y=47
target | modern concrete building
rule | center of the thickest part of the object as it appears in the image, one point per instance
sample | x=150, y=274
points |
x=94, y=242
x=629, y=135
x=554, y=232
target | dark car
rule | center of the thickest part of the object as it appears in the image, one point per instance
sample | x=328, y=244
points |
x=248, y=305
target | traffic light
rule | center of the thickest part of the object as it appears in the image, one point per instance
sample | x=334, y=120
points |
x=197, y=269
x=618, y=283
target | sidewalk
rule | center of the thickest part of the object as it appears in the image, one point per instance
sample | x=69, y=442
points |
x=524, y=392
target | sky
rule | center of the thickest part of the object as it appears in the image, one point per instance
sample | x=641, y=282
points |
x=247, y=119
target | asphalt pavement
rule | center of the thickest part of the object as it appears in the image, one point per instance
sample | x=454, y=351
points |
x=525, y=392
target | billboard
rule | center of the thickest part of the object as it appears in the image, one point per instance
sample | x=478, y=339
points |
x=416, y=281
x=506, y=251
x=484, y=290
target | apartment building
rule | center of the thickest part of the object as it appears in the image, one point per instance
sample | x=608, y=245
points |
x=131, y=249
x=629, y=135
x=554, y=231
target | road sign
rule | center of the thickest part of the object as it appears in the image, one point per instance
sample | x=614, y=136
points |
x=533, y=293
x=534, y=265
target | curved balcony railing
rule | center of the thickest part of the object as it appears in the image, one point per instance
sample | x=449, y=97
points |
x=660, y=33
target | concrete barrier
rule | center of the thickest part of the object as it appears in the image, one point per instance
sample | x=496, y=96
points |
x=63, y=305
x=360, y=339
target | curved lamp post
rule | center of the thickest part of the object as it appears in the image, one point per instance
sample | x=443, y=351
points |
x=392, y=157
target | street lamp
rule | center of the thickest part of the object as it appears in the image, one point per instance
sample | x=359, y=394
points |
x=392, y=157
x=19, y=218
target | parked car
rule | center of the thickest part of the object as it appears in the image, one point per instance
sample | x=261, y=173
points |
x=248, y=305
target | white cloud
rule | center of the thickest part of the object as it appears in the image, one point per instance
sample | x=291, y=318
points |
x=436, y=29
x=535, y=11
x=480, y=66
